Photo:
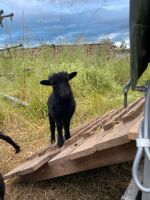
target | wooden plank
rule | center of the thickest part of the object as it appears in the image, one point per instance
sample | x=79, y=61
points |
x=73, y=139
x=118, y=136
x=104, y=139
x=88, y=147
x=37, y=163
x=13, y=173
x=121, y=153
x=77, y=132
x=14, y=100
x=62, y=156
x=82, y=128
x=86, y=128
x=91, y=123
x=134, y=112
x=133, y=132
x=92, y=126
x=94, y=122
x=100, y=123
x=115, y=140
x=39, y=152
x=31, y=166
x=76, y=135
x=91, y=145
x=39, y=158
x=118, y=117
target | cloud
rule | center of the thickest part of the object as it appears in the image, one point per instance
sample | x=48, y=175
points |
x=48, y=20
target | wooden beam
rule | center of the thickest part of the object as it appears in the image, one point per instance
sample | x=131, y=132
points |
x=134, y=112
x=12, y=47
x=85, y=130
x=76, y=133
x=31, y=165
x=106, y=157
x=103, y=140
x=100, y=123
x=118, y=117
x=14, y=100
x=133, y=132
x=63, y=156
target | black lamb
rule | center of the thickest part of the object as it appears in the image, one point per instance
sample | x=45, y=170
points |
x=17, y=148
x=2, y=187
x=8, y=139
x=61, y=105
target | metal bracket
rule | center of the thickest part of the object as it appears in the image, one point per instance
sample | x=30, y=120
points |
x=126, y=89
x=5, y=16
x=143, y=142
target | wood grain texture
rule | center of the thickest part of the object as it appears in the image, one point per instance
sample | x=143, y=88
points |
x=133, y=132
x=118, y=118
x=110, y=156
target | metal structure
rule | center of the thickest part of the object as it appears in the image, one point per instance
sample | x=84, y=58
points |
x=10, y=98
x=9, y=48
x=2, y=16
x=12, y=47
x=139, y=59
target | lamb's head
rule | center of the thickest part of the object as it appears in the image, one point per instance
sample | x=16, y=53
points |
x=60, y=83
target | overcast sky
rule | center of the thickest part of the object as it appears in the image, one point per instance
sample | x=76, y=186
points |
x=54, y=21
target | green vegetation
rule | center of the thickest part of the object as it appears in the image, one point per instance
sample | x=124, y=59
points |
x=98, y=88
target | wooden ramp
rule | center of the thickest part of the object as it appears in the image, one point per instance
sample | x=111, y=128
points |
x=103, y=141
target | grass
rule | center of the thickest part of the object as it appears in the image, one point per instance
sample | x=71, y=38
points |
x=106, y=183
x=98, y=88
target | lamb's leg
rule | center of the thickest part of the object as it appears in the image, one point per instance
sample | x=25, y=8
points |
x=52, y=129
x=67, y=129
x=2, y=187
x=10, y=141
x=60, y=136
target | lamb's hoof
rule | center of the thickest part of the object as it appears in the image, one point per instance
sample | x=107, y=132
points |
x=53, y=141
x=67, y=137
x=17, y=149
x=60, y=143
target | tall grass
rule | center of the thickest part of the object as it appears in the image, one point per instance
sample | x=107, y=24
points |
x=97, y=87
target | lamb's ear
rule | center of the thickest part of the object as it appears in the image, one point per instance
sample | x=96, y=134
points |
x=45, y=82
x=72, y=75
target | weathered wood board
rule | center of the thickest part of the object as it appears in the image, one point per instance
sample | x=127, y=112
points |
x=121, y=153
x=92, y=145
x=103, y=140
x=133, y=132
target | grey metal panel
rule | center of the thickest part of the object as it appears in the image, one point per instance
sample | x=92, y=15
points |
x=131, y=193
x=139, y=38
